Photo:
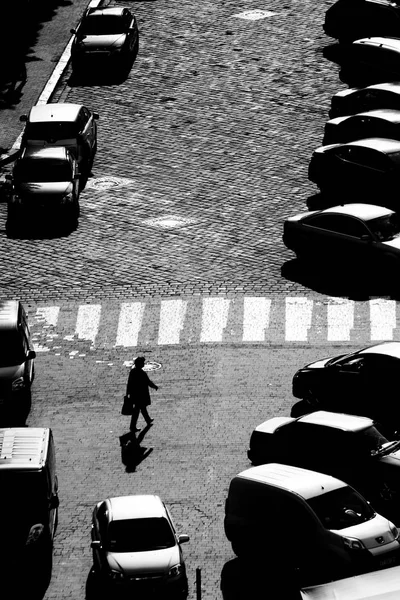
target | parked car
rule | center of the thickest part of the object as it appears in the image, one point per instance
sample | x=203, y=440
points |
x=29, y=502
x=345, y=446
x=361, y=234
x=136, y=549
x=369, y=167
x=356, y=100
x=348, y=21
x=382, y=123
x=70, y=125
x=320, y=527
x=361, y=383
x=106, y=35
x=45, y=184
x=17, y=368
x=371, y=60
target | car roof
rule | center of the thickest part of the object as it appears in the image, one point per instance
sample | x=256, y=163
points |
x=376, y=143
x=140, y=506
x=9, y=314
x=366, y=212
x=386, y=348
x=56, y=152
x=104, y=12
x=388, y=42
x=387, y=114
x=304, y=482
x=337, y=420
x=54, y=112
x=23, y=448
x=387, y=86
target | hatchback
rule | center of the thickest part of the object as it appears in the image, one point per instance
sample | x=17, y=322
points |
x=371, y=60
x=383, y=123
x=136, y=548
x=356, y=100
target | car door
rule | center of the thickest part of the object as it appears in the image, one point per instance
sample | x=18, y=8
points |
x=131, y=32
x=86, y=128
x=99, y=534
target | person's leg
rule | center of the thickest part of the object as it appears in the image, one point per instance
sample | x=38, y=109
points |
x=146, y=415
x=134, y=418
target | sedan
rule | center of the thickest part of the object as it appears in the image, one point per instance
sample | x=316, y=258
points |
x=383, y=123
x=362, y=18
x=370, y=167
x=136, y=550
x=361, y=234
x=356, y=100
x=371, y=60
x=105, y=35
x=361, y=383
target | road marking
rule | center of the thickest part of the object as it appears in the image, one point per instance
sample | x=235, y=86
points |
x=340, y=319
x=88, y=321
x=254, y=15
x=298, y=319
x=172, y=318
x=214, y=319
x=383, y=319
x=256, y=314
x=129, y=323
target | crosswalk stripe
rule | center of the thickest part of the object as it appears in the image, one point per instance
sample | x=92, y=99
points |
x=129, y=323
x=172, y=318
x=87, y=321
x=382, y=319
x=298, y=319
x=214, y=319
x=340, y=319
x=256, y=315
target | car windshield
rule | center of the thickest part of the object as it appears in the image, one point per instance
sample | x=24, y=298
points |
x=102, y=25
x=139, y=535
x=341, y=508
x=11, y=349
x=51, y=132
x=35, y=170
x=385, y=228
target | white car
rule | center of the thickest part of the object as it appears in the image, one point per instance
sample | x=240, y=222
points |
x=136, y=547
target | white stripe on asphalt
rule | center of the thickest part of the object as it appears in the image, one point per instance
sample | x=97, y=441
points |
x=298, y=316
x=129, y=323
x=172, y=319
x=340, y=319
x=47, y=317
x=256, y=313
x=214, y=319
x=87, y=321
x=382, y=318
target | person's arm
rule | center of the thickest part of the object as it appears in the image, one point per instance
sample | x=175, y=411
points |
x=129, y=383
x=151, y=384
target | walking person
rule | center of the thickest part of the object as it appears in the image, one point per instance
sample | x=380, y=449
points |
x=137, y=390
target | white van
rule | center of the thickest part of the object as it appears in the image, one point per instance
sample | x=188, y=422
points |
x=315, y=523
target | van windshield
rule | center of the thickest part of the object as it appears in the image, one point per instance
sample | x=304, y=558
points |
x=26, y=494
x=11, y=349
x=341, y=508
x=51, y=131
x=139, y=535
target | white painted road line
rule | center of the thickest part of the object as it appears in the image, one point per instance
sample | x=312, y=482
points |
x=88, y=321
x=298, y=319
x=172, y=318
x=129, y=323
x=382, y=318
x=340, y=319
x=214, y=319
x=256, y=313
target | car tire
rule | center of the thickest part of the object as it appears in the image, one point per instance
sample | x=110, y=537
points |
x=300, y=408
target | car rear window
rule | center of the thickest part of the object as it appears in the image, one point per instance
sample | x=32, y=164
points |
x=341, y=508
x=103, y=25
x=139, y=535
x=50, y=132
x=29, y=171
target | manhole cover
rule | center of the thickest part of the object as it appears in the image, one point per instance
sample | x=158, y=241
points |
x=149, y=366
x=169, y=222
x=255, y=15
x=104, y=183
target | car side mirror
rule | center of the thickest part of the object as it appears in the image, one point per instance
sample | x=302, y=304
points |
x=96, y=544
x=31, y=354
x=23, y=118
x=54, y=501
x=72, y=31
x=366, y=238
x=183, y=538
x=95, y=115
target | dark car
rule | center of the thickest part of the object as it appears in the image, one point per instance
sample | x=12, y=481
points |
x=348, y=447
x=362, y=18
x=371, y=60
x=356, y=100
x=106, y=36
x=382, y=123
x=361, y=234
x=367, y=169
x=361, y=383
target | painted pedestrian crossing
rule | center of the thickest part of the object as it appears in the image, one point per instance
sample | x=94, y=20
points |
x=208, y=320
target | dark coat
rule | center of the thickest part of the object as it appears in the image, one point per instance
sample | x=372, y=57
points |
x=138, y=387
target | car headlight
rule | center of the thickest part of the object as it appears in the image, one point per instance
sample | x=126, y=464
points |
x=18, y=384
x=353, y=543
x=116, y=575
x=394, y=530
x=34, y=533
x=175, y=571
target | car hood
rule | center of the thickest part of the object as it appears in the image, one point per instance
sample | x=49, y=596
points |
x=90, y=42
x=44, y=188
x=152, y=561
x=394, y=243
x=12, y=372
x=368, y=532
x=318, y=364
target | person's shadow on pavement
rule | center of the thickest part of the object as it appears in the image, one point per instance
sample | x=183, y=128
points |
x=132, y=453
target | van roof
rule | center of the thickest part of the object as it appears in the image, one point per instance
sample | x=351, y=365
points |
x=307, y=484
x=23, y=448
x=9, y=314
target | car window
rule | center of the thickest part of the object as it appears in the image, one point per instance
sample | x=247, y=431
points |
x=365, y=157
x=139, y=535
x=343, y=224
x=12, y=348
x=35, y=171
x=385, y=228
x=341, y=508
x=51, y=131
x=100, y=24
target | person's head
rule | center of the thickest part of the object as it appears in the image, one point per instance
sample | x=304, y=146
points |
x=139, y=362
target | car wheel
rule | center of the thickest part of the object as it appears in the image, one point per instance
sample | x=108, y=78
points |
x=300, y=408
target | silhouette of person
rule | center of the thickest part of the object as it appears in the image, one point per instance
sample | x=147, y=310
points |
x=137, y=390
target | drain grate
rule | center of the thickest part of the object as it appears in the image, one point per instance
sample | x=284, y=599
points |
x=104, y=183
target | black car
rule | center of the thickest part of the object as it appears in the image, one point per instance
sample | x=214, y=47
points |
x=382, y=123
x=370, y=60
x=348, y=447
x=362, y=383
x=367, y=168
x=362, y=18
x=356, y=100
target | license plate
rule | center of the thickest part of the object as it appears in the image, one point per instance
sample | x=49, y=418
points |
x=385, y=562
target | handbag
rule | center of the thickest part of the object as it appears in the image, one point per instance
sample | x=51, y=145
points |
x=127, y=406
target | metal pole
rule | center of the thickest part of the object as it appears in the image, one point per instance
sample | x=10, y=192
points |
x=198, y=583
